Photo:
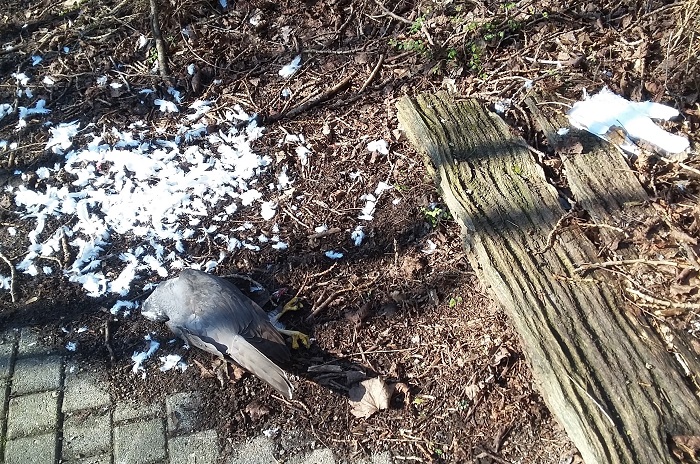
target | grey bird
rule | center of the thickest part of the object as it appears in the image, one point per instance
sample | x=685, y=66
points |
x=214, y=315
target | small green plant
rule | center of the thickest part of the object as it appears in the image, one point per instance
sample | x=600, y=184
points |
x=434, y=215
x=451, y=54
x=417, y=25
x=409, y=45
x=454, y=301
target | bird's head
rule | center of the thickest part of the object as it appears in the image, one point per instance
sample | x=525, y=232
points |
x=153, y=311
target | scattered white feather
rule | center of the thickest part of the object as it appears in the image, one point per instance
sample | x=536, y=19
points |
x=333, y=254
x=172, y=361
x=502, y=106
x=166, y=106
x=268, y=210
x=24, y=112
x=48, y=80
x=191, y=68
x=288, y=70
x=357, y=235
x=101, y=81
x=21, y=78
x=139, y=357
x=72, y=346
x=380, y=146
x=176, y=94
x=36, y=59
x=280, y=246
x=43, y=172
x=430, y=247
x=5, y=109
x=62, y=136
x=142, y=42
x=123, y=305
x=600, y=112
x=320, y=229
x=382, y=187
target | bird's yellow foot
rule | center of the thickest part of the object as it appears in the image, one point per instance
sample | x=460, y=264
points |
x=296, y=338
x=292, y=305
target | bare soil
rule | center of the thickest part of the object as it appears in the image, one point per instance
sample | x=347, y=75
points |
x=392, y=310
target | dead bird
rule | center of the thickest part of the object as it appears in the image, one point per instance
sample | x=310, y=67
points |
x=214, y=315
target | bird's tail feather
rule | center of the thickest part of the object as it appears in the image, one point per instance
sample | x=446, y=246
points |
x=255, y=362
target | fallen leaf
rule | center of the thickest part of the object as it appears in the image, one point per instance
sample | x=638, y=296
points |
x=370, y=396
x=256, y=410
x=687, y=445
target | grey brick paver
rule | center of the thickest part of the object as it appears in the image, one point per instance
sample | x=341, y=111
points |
x=29, y=343
x=199, y=448
x=6, y=350
x=3, y=397
x=36, y=374
x=31, y=450
x=183, y=412
x=128, y=410
x=86, y=434
x=32, y=414
x=101, y=459
x=83, y=390
x=139, y=442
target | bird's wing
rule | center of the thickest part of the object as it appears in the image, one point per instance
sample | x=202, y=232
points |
x=219, y=310
x=217, y=317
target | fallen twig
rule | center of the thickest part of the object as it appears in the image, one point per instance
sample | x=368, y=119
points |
x=160, y=44
x=307, y=105
x=390, y=13
x=332, y=231
x=606, y=264
x=107, y=342
x=12, y=277
x=663, y=303
x=374, y=73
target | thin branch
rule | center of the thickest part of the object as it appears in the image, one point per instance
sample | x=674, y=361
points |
x=375, y=71
x=663, y=303
x=12, y=277
x=318, y=99
x=390, y=13
x=160, y=44
x=606, y=264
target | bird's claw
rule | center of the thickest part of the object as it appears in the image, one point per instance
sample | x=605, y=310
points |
x=297, y=337
x=291, y=305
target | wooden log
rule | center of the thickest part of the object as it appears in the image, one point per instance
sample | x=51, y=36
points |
x=603, y=373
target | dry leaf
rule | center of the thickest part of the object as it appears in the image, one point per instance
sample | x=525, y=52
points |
x=256, y=410
x=370, y=396
x=687, y=445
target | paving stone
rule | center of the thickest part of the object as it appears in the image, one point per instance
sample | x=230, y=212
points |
x=32, y=414
x=85, y=434
x=30, y=344
x=101, y=459
x=36, y=374
x=128, y=410
x=83, y=390
x=6, y=350
x=183, y=412
x=31, y=450
x=198, y=448
x=3, y=397
x=139, y=442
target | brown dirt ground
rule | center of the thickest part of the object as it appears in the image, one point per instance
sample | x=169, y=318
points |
x=417, y=318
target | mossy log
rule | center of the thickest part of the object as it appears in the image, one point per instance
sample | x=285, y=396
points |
x=604, y=373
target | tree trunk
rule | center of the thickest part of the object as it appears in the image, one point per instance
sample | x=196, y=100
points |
x=604, y=374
